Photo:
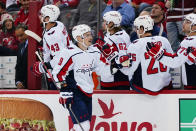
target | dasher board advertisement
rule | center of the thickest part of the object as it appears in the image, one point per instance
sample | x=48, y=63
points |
x=112, y=111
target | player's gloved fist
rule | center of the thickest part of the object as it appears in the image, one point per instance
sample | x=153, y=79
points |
x=125, y=61
x=109, y=51
x=191, y=54
x=38, y=68
x=155, y=50
x=99, y=42
x=66, y=96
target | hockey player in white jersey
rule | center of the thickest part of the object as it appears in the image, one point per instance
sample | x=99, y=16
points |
x=147, y=75
x=115, y=35
x=82, y=60
x=185, y=56
x=55, y=36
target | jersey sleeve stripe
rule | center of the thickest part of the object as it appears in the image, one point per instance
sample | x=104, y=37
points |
x=64, y=70
x=68, y=44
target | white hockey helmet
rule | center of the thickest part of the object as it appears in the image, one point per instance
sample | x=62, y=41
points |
x=5, y=17
x=80, y=30
x=113, y=16
x=144, y=21
x=51, y=11
x=192, y=18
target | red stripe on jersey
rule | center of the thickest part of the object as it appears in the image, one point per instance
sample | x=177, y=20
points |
x=87, y=94
x=170, y=54
x=190, y=87
x=64, y=70
x=68, y=44
x=112, y=84
x=48, y=46
x=145, y=91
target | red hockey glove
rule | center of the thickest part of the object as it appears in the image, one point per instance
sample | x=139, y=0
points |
x=108, y=51
x=192, y=54
x=155, y=50
x=38, y=68
x=66, y=96
x=125, y=61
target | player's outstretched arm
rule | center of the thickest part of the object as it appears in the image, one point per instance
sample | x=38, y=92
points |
x=191, y=51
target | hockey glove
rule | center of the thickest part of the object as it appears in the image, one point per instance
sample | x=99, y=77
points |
x=191, y=54
x=66, y=96
x=125, y=61
x=38, y=68
x=108, y=51
x=155, y=50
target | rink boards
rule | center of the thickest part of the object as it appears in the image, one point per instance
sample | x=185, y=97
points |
x=125, y=110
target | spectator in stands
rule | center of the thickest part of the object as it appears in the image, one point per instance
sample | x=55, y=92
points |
x=158, y=15
x=86, y=13
x=21, y=64
x=175, y=18
x=67, y=10
x=156, y=29
x=125, y=9
x=140, y=5
x=12, y=5
x=23, y=13
x=7, y=36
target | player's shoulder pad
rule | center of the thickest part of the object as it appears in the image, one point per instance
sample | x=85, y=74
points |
x=70, y=51
x=60, y=24
x=93, y=48
x=135, y=41
x=188, y=41
x=162, y=39
x=119, y=33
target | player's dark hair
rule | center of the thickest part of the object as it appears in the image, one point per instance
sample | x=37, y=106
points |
x=116, y=29
x=150, y=31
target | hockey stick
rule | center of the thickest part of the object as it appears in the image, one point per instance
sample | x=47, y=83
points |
x=38, y=39
x=45, y=68
x=75, y=117
x=33, y=35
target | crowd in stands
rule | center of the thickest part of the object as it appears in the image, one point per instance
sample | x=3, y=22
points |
x=167, y=15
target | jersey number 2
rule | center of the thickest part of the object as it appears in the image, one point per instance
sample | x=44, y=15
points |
x=151, y=69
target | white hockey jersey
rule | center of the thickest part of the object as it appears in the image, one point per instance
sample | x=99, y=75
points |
x=54, y=40
x=145, y=71
x=83, y=63
x=181, y=59
x=122, y=40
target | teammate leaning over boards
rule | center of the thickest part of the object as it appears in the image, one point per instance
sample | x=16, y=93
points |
x=185, y=56
x=146, y=74
x=55, y=36
x=115, y=35
x=82, y=60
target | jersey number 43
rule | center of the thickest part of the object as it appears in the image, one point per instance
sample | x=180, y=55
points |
x=55, y=47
